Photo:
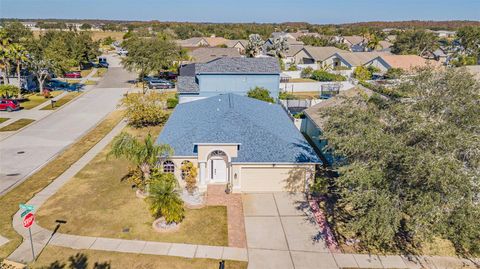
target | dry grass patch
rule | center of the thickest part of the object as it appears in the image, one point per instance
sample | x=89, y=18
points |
x=62, y=101
x=97, y=202
x=16, y=125
x=55, y=257
x=100, y=72
x=300, y=80
x=39, y=180
x=3, y=120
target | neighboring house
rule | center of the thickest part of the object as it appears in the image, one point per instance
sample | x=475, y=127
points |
x=405, y=62
x=239, y=44
x=314, y=55
x=193, y=42
x=282, y=34
x=351, y=60
x=384, y=46
x=313, y=123
x=207, y=54
x=444, y=33
x=249, y=144
x=290, y=41
x=228, y=75
x=290, y=54
x=355, y=43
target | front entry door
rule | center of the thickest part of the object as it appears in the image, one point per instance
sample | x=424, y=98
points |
x=219, y=171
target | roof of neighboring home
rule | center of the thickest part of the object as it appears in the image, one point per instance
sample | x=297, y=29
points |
x=391, y=38
x=301, y=34
x=215, y=41
x=268, y=65
x=439, y=53
x=187, y=84
x=191, y=42
x=354, y=39
x=385, y=44
x=231, y=43
x=203, y=55
x=263, y=130
x=359, y=58
x=292, y=50
x=321, y=53
x=407, y=62
x=313, y=111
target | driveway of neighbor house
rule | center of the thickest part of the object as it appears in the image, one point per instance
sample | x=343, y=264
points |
x=31, y=148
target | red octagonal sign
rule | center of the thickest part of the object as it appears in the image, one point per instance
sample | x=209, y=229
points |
x=28, y=220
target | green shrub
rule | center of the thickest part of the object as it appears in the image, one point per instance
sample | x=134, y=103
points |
x=172, y=102
x=362, y=73
x=321, y=75
x=306, y=72
x=292, y=67
x=394, y=73
x=382, y=90
x=163, y=198
x=260, y=94
x=145, y=109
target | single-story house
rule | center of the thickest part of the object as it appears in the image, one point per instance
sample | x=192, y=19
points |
x=250, y=144
x=207, y=54
x=404, y=62
x=384, y=46
x=290, y=41
x=228, y=75
x=239, y=44
x=355, y=43
x=351, y=59
x=314, y=55
x=313, y=123
x=193, y=42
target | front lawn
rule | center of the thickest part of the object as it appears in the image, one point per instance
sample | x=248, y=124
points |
x=36, y=99
x=97, y=202
x=86, y=72
x=62, y=101
x=56, y=257
x=300, y=80
x=40, y=179
x=3, y=120
x=16, y=125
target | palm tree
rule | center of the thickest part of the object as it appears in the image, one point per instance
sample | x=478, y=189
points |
x=5, y=42
x=254, y=45
x=143, y=154
x=19, y=55
x=279, y=47
x=164, y=199
x=373, y=42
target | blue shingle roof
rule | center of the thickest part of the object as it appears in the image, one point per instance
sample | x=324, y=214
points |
x=265, y=132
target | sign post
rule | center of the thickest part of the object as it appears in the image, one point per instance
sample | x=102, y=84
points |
x=28, y=220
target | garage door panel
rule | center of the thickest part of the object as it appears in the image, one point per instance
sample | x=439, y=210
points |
x=254, y=179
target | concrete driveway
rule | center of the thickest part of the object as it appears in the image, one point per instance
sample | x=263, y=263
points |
x=26, y=151
x=281, y=234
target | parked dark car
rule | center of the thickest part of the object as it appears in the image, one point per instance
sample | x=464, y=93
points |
x=102, y=62
x=160, y=84
x=9, y=105
x=54, y=85
x=168, y=75
x=73, y=74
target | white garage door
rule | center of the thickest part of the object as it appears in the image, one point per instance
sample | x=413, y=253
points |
x=254, y=179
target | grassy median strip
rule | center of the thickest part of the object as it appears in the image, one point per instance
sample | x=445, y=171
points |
x=3, y=120
x=59, y=257
x=37, y=99
x=65, y=99
x=100, y=72
x=35, y=183
x=16, y=125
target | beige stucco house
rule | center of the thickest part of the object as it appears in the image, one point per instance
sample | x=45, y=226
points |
x=249, y=144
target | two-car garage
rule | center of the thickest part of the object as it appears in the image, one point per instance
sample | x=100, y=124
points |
x=273, y=178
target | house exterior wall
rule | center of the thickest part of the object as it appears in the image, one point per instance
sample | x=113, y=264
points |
x=271, y=177
x=335, y=60
x=177, y=161
x=303, y=58
x=379, y=63
x=214, y=84
x=205, y=150
x=313, y=132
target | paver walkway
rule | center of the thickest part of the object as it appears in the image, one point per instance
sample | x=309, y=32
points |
x=236, y=226
x=42, y=237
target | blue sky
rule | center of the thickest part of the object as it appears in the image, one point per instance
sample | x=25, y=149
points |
x=319, y=11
